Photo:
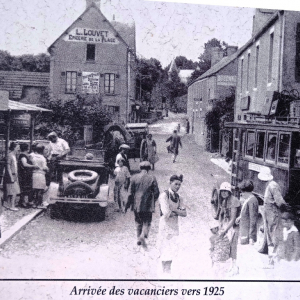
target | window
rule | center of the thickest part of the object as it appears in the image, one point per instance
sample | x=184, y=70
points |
x=113, y=109
x=284, y=148
x=256, y=66
x=248, y=71
x=242, y=73
x=297, y=67
x=90, y=52
x=71, y=82
x=250, y=143
x=260, y=143
x=271, y=146
x=109, y=83
x=270, y=57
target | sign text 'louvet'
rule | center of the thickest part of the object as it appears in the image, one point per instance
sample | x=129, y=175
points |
x=91, y=36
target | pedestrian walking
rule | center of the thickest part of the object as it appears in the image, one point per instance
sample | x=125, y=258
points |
x=291, y=239
x=230, y=210
x=25, y=168
x=175, y=141
x=123, y=154
x=249, y=213
x=143, y=148
x=273, y=200
x=219, y=246
x=143, y=193
x=38, y=176
x=148, y=150
x=171, y=207
x=122, y=181
x=11, y=177
x=187, y=126
x=178, y=127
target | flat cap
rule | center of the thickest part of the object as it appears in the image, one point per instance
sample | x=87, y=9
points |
x=145, y=164
x=53, y=133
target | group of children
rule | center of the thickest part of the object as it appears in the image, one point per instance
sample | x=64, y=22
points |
x=288, y=249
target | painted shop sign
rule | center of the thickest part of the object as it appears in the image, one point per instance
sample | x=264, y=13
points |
x=90, y=82
x=91, y=36
x=20, y=120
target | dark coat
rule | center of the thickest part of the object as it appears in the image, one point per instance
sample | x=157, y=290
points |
x=143, y=192
x=175, y=142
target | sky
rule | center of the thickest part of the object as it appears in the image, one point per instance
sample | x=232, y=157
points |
x=164, y=30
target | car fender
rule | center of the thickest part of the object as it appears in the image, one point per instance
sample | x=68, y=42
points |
x=103, y=195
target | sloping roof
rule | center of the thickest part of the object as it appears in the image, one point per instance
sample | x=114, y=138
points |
x=14, y=81
x=173, y=66
x=18, y=106
x=126, y=31
x=108, y=22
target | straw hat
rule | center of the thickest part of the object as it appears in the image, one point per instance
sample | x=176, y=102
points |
x=124, y=146
x=265, y=174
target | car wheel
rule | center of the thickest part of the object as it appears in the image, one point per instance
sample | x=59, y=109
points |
x=261, y=243
x=215, y=204
x=53, y=211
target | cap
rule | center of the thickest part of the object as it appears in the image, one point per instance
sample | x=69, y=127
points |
x=225, y=186
x=145, y=164
x=124, y=146
x=265, y=174
x=53, y=133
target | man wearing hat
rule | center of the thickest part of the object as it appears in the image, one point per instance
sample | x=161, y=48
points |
x=143, y=193
x=123, y=155
x=273, y=200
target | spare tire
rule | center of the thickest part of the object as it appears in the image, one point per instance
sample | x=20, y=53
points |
x=86, y=176
x=79, y=189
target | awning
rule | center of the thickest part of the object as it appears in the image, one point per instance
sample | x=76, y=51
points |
x=18, y=106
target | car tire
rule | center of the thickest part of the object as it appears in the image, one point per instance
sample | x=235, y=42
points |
x=261, y=243
x=83, y=188
x=91, y=176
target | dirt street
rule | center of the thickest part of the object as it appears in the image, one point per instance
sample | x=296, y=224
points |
x=59, y=249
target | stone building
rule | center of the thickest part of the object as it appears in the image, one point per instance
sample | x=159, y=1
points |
x=215, y=84
x=268, y=65
x=95, y=58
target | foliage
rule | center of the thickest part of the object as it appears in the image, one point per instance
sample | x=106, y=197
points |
x=222, y=111
x=26, y=62
x=68, y=118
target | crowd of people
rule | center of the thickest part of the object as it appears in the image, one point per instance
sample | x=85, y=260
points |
x=29, y=174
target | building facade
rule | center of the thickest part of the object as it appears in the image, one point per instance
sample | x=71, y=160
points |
x=269, y=64
x=95, y=58
x=215, y=84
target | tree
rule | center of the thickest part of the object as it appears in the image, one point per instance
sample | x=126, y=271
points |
x=185, y=64
x=26, y=62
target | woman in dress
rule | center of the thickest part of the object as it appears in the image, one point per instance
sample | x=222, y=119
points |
x=143, y=148
x=151, y=147
x=230, y=210
x=25, y=168
x=11, y=176
x=171, y=207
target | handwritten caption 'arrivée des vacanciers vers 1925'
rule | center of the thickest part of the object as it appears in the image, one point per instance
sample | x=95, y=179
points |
x=100, y=291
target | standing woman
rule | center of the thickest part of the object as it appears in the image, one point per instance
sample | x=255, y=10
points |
x=25, y=168
x=143, y=148
x=11, y=176
x=151, y=146
x=230, y=209
x=171, y=207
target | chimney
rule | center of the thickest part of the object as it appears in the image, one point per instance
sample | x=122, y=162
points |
x=231, y=50
x=97, y=2
x=216, y=55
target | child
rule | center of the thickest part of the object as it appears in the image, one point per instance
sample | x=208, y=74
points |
x=291, y=239
x=122, y=181
x=220, y=247
x=38, y=176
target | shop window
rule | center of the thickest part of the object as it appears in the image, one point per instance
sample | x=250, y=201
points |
x=250, y=143
x=271, y=146
x=90, y=52
x=260, y=145
x=109, y=83
x=71, y=82
x=284, y=148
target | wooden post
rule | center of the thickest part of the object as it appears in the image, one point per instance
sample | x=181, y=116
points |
x=32, y=121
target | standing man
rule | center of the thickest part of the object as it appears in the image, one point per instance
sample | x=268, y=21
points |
x=143, y=193
x=273, y=200
x=187, y=126
x=123, y=155
x=57, y=150
x=175, y=142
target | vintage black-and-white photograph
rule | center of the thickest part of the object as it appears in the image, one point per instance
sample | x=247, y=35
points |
x=149, y=149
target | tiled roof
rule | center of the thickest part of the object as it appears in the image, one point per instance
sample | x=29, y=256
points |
x=126, y=31
x=14, y=81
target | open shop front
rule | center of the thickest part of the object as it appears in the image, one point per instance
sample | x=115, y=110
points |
x=17, y=121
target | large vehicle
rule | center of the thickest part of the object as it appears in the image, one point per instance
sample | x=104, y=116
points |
x=262, y=142
x=83, y=188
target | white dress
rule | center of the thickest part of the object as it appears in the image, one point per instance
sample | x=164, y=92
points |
x=168, y=227
x=38, y=176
